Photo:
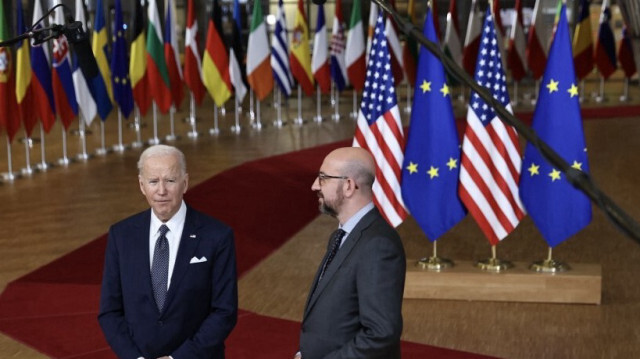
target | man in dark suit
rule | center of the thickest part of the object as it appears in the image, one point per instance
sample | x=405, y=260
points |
x=354, y=308
x=169, y=288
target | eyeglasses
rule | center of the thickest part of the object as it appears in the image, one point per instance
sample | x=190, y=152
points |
x=322, y=177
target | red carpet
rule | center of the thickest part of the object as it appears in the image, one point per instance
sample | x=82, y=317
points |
x=54, y=308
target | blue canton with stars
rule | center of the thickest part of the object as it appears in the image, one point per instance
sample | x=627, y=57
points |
x=489, y=72
x=557, y=208
x=379, y=95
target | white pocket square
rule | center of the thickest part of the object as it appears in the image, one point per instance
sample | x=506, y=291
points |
x=198, y=260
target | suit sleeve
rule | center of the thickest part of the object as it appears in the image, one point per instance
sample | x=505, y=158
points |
x=380, y=285
x=224, y=304
x=111, y=316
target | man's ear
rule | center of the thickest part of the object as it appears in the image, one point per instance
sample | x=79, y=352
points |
x=350, y=187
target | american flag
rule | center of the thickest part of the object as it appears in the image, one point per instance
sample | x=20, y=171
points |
x=491, y=159
x=379, y=130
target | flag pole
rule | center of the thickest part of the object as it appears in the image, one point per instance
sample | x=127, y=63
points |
x=298, y=120
x=64, y=161
x=192, y=116
x=434, y=263
x=137, y=125
x=534, y=98
x=354, y=113
x=215, y=130
x=408, y=108
x=336, y=113
x=258, y=125
x=493, y=264
x=600, y=98
x=278, y=122
x=625, y=91
x=318, y=117
x=28, y=170
x=119, y=147
x=252, y=115
x=155, y=140
x=236, y=128
x=83, y=156
x=549, y=265
x=43, y=165
x=515, y=102
x=333, y=94
x=102, y=150
x=172, y=135
x=9, y=176
x=582, y=97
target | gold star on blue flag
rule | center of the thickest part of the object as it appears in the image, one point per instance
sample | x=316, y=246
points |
x=557, y=208
x=430, y=170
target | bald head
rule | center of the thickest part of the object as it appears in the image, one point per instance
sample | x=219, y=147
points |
x=357, y=163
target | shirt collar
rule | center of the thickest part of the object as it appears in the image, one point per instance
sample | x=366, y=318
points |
x=173, y=223
x=350, y=224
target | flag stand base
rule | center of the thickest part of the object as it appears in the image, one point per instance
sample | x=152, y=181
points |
x=582, y=284
x=549, y=266
x=494, y=265
x=434, y=263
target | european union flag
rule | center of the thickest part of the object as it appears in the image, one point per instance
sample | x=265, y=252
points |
x=432, y=153
x=557, y=208
x=121, y=82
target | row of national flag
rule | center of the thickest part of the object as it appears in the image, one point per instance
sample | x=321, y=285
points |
x=529, y=53
x=149, y=70
x=438, y=180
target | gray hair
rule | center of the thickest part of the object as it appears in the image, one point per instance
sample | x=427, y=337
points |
x=162, y=150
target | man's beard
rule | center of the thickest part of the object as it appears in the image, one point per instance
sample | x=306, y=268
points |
x=331, y=208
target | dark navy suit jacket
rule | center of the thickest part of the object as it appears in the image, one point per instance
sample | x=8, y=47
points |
x=201, y=306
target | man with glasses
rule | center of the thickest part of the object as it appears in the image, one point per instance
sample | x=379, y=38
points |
x=355, y=301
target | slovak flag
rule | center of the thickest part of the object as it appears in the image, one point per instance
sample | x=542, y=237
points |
x=62, y=79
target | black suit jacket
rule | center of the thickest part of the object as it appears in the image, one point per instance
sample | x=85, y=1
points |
x=356, y=309
x=201, y=307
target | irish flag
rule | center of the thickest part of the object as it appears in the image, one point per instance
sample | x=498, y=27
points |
x=258, y=55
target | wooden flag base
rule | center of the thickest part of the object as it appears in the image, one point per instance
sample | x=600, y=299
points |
x=464, y=281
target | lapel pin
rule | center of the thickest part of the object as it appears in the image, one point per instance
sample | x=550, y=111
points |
x=192, y=236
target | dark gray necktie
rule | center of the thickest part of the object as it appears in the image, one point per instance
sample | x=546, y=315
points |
x=334, y=245
x=160, y=267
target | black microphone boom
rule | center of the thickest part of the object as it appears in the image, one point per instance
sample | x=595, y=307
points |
x=577, y=178
x=79, y=39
